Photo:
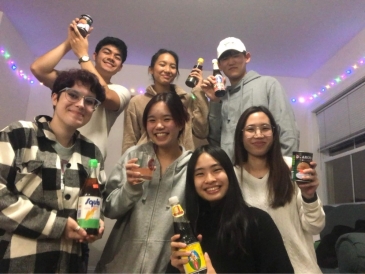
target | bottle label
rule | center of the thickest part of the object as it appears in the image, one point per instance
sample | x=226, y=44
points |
x=88, y=212
x=196, y=259
x=219, y=83
x=177, y=210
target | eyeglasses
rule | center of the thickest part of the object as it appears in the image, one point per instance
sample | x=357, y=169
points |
x=265, y=129
x=74, y=96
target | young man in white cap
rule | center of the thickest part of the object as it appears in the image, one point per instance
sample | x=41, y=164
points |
x=247, y=89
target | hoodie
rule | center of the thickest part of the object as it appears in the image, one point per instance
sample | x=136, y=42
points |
x=252, y=90
x=196, y=129
x=140, y=239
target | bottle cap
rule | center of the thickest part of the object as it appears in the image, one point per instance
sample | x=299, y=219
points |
x=200, y=60
x=174, y=200
x=93, y=163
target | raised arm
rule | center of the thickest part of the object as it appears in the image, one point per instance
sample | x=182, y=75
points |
x=199, y=108
x=43, y=68
x=80, y=47
x=123, y=189
x=214, y=115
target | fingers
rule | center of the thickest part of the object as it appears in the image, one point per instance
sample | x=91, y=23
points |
x=73, y=230
x=210, y=268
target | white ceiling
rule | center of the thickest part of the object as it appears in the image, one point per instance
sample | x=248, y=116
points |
x=285, y=37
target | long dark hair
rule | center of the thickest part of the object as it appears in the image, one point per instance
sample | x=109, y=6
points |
x=281, y=189
x=173, y=102
x=235, y=214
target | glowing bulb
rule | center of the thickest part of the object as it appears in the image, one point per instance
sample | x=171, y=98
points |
x=133, y=90
x=314, y=95
x=301, y=100
x=328, y=86
x=6, y=55
x=354, y=66
x=31, y=81
x=348, y=71
x=293, y=100
x=13, y=67
x=323, y=89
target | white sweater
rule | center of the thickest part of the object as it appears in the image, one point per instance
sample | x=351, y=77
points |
x=296, y=221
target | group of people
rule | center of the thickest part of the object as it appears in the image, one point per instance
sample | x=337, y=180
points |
x=237, y=191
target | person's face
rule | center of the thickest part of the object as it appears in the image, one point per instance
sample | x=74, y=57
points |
x=210, y=179
x=164, y=71
x=257, y=134
x=161, y=127
x=72, y=115
x=234, y=65
x=108, y=60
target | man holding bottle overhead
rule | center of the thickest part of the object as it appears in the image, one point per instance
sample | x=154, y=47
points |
x=109, y=56
x=247, y=89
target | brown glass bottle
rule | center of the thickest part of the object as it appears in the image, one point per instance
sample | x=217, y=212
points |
x=191, y=81
x=182, y=226
x=219, y=88
x=90, y=202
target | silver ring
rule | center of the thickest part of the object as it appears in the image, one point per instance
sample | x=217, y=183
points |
x=77, y=228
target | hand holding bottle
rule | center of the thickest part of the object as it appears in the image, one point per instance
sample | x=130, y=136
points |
x=193, y=80
x=208, y=87
x=197, y=74
x=178, y=257
x=73, y=231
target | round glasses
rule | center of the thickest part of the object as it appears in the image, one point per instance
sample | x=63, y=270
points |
x=265, y=130
x=74, y=96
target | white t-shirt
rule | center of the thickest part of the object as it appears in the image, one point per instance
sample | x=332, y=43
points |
x=102, y=120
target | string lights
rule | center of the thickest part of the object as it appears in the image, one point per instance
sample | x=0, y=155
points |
x=335, y=81
x=14, y=67
x=301, y=99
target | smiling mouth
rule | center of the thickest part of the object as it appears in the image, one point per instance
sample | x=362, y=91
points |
x=160, y=134
x=212, y=189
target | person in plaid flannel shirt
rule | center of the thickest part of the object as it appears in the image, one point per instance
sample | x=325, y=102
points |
x=43, y=164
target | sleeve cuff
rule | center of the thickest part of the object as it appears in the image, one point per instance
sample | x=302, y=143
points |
x=311, y=200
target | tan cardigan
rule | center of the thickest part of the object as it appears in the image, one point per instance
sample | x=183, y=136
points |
x=196, y=130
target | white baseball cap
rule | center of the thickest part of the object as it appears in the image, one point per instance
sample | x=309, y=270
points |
x=230, y=43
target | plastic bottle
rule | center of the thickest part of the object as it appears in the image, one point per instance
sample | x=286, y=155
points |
x=191, y=81
x=219, y=88
x=182, y=226
x=90, y=202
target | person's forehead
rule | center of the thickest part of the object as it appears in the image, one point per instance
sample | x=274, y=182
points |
x=112, y=48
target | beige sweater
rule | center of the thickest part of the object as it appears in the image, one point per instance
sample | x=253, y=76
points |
x=196, y=130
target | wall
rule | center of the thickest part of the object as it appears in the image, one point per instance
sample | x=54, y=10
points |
x=15, y=91
x=335, y=66
x=30, y=100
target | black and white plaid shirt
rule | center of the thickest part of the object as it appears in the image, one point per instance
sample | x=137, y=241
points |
x=33, y=208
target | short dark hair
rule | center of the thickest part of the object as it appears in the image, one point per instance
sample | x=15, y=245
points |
x=119, y=44
x=173, y=102
x=69, y=78
x=281, y=189
x=235, y=214
x=163, y=51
